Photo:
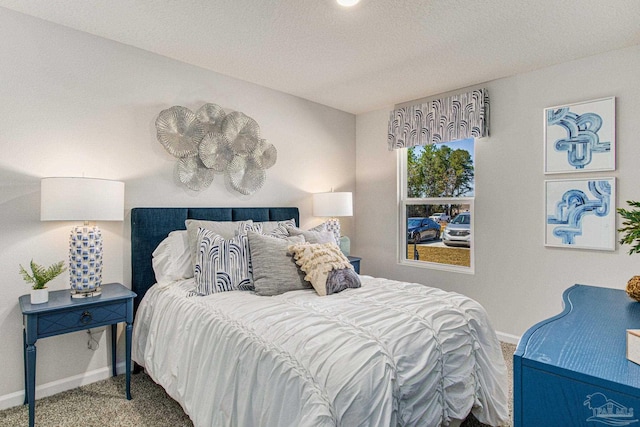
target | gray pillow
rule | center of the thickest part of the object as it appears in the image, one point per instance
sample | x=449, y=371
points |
x=312, y=236
x=274, y=270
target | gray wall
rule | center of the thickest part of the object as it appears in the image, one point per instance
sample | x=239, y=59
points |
x=73, y=105
x=517, y=279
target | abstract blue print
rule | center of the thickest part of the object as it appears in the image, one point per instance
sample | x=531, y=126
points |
x=573, y=203
x=580, y=137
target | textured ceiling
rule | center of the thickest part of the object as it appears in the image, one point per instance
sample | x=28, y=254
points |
x=373, y=55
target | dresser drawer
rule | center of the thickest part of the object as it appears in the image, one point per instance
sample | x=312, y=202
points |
x=555, y=400
x=81, y=318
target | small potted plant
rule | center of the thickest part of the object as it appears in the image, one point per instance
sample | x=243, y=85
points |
x=631, y=236
x=38, y=279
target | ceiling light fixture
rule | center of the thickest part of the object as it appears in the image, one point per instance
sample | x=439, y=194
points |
x=348, y=3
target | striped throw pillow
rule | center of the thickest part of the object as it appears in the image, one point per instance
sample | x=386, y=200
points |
x=221, y=264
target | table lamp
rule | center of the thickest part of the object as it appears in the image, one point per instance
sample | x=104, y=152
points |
x=83, y=199
x=333, y=204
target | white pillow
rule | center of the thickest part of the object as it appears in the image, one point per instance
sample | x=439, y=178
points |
x=225, y=229
x=332, y=226
x=172, y=258
x=318, y=234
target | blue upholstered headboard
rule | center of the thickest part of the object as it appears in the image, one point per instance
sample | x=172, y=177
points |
x=149, y=226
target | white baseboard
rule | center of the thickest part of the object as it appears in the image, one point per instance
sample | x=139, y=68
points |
x=508, y=338
x=15, y=399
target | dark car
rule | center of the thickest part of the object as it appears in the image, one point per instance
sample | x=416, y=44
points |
x=419, y=229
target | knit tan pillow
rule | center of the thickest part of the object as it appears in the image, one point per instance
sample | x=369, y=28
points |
x=325, y=266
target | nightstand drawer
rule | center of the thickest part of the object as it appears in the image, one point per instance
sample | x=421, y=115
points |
x=81, y=318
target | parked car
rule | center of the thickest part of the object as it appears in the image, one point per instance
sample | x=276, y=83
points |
x=440, y=217
x=419, y=229
x=458, y=231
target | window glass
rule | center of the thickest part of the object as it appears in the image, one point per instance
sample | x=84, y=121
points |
x=437, y=195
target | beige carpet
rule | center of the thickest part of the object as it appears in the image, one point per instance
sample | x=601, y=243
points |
x=103, y=404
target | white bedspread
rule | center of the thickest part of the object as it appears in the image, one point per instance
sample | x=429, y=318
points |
x=386, y=354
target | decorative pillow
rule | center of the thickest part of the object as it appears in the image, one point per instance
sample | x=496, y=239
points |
x=225, y=229
x=245, y=227
x=274, y=270
x=332, y=226
x=222, y=264
x=314, y=235
x=280, y=232
x=328, y=270
x=320, y=227
x=277, y=228
x=172, y=258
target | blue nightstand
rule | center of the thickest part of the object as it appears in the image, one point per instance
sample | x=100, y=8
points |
x=62, y=315
x=355, y=261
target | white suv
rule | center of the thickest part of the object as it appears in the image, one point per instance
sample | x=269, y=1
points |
x=440, y=217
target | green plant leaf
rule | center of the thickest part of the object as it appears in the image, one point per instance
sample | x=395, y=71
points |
x=26, y=276
x=631, y=226
x=40, y=276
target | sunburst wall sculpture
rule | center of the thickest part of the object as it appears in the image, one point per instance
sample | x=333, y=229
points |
x=210, y=142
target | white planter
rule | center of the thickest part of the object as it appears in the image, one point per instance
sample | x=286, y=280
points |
x=39, y=296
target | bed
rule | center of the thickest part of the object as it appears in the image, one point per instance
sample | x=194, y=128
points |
x=386, y=353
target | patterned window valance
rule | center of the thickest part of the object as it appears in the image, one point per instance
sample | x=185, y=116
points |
x=461, y=116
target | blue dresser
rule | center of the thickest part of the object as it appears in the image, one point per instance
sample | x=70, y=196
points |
x=572, y=370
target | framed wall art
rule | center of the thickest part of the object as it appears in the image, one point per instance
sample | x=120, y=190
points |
x=580, y=213
x=580, y=137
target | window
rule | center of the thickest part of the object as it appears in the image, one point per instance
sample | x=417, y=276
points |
x=437, y=190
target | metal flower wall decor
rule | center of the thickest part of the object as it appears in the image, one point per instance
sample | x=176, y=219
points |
x=210, y=142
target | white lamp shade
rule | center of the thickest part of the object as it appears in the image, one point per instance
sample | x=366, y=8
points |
x=333, y=204
x=81, y=199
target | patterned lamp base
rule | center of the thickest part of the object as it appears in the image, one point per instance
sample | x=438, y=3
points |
x=85, y=261
x=333, y=225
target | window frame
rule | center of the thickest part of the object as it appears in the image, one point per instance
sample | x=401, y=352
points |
x=404, y=201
